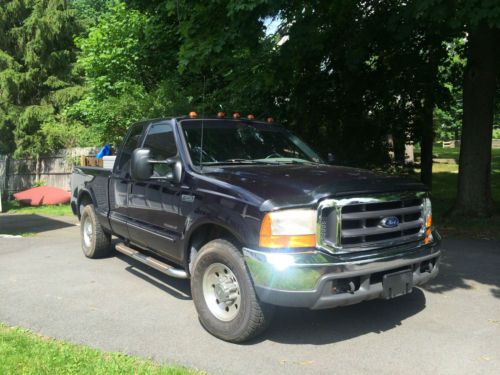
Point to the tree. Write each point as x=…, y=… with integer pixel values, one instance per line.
x=479, y=90
x=120, y=73
x=155, y=58
x=36, y=70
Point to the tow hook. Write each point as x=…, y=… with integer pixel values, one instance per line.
x=428, y=267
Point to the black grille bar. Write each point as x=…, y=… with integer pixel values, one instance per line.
x=380, y=230
x=380, y=214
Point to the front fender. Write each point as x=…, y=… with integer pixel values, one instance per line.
x=241, y=221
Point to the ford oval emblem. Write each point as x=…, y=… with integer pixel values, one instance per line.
x=389, y=222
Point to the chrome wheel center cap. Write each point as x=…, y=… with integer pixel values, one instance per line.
x=225, y=291
x=221, y=292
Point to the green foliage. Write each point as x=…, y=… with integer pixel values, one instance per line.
x=448, y=113
x=36, y=71
x=151, y=62
x=344, y=76
x=39, y=183
x=112, y=52
x=89, y=11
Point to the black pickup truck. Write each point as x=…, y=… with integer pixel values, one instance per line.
x=255, y=218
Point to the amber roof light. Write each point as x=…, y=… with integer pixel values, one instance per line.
x=251, y=117
x=221, y=114
x=193, y=114
x=236, y=115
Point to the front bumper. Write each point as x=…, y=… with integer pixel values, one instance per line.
x=317, y=280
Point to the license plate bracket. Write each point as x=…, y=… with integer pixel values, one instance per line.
x=397, y=284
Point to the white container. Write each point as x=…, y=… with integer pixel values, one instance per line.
x=108, y=161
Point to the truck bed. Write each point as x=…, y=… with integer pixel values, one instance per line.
x=94, y=180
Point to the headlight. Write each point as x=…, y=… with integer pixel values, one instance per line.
x=288, y=228
x=427, y=216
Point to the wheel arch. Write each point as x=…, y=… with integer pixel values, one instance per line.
x=205, y=232
x=84, y=197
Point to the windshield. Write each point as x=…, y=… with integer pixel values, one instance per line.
x=231, y=142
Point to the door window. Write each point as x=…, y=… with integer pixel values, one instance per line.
x=161, y=141
x=131, y=143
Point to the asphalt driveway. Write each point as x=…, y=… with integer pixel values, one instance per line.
x=450, y=327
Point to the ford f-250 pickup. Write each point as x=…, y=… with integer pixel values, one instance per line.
x=255, y=218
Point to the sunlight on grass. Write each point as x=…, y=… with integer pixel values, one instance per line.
x=444, y=191
x=14, y=207
x=23, y=352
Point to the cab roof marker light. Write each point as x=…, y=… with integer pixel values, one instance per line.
x=236, y=115
x=270, y=120
x=193, y=114
x=221, y=114
x=251, y=117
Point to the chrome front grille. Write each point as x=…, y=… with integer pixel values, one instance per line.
x=360, y=223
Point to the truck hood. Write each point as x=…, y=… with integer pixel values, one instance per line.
x=286, y=185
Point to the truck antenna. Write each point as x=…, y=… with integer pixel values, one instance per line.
x=202, y=125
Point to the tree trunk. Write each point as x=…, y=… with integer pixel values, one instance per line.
x=399, y=142
x=426, y=142
x=480, y=78
x=427, y=137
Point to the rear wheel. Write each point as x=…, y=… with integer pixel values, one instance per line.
x=96, y=243
x=224, y=295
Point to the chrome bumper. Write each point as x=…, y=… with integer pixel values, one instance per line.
x=307, y=278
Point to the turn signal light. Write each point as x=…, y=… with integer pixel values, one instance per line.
x=193, y=114
x=428, y=221
x=428, y=236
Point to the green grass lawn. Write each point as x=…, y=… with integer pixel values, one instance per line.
x=14, y=207
x=444, y=191
x=23, y=352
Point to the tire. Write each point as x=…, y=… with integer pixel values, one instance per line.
x=96, y=243
x=242, y=316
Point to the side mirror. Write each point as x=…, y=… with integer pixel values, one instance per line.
x=142, y=167
x=177, y=172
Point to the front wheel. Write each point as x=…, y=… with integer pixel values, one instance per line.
x=224, y=295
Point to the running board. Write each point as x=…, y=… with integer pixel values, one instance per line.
x=152, y=262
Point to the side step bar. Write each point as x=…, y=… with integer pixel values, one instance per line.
x=152, y=262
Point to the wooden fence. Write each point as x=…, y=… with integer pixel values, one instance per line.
x=495, y=143
x=52, y=170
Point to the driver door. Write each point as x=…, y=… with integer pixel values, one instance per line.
x=153, y=205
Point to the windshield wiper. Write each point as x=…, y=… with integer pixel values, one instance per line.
x=240, y=161
x=295, y=161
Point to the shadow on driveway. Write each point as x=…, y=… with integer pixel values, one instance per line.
x=468, y=260
x=463, y=261
x=177, y=288
x=303, y=326
x=24, y=224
